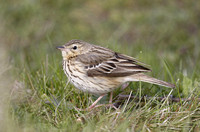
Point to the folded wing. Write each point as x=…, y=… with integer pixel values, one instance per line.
x=104, y=62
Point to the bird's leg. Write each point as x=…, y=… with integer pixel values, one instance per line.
x=95, y=102
x=111, y=96
x=95, y=106
x=124, y=85
x=107, y=105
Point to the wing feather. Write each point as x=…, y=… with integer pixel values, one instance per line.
x=110, y=64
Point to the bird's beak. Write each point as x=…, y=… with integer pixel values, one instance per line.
x=60, y=47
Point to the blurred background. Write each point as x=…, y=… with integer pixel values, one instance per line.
x=156, y=32
x=167, y=28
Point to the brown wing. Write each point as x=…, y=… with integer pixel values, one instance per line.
x=104, y=62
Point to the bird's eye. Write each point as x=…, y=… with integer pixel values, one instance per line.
x=75, y=47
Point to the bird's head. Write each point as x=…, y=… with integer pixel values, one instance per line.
x=74, y=48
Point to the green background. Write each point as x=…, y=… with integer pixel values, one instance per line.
x=163, y=34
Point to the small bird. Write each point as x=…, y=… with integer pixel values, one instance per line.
x=98, y=70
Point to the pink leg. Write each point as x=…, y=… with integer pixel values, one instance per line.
x=107, y=105
x=124, y=85
x=111, y=96
x=94, y=104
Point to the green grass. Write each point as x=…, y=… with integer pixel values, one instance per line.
x=163, y=34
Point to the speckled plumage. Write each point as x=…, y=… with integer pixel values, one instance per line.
x=99, y=70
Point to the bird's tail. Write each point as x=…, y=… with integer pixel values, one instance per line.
x=145, y=78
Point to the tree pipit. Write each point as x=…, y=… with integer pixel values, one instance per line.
x=98, y=70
